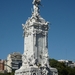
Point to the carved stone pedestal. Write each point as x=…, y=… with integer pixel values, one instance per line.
x=34, y=71
x=28, y=71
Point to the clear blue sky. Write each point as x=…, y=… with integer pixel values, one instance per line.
x=61, y=14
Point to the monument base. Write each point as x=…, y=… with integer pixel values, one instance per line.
x=34, y=70
x=28, y=71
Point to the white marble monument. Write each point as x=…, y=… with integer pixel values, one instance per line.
x=35, y=56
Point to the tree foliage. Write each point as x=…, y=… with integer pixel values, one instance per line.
x=12, y=73
x=61, y=67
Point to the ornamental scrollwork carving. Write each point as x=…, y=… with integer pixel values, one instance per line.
x=44, y=71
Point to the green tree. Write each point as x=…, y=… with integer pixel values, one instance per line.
x=61, y=67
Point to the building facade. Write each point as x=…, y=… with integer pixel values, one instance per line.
x=13, y=62
x=2, y=65
x=67, y=63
